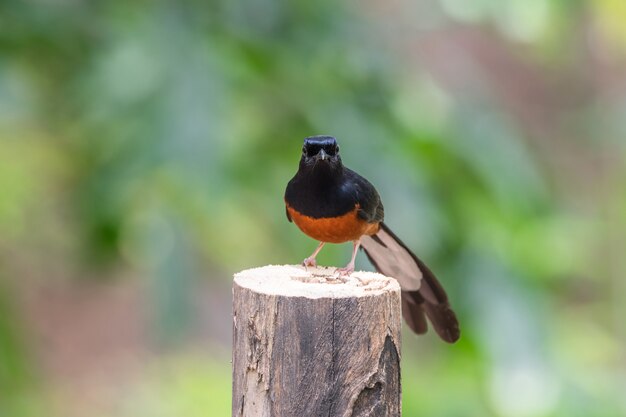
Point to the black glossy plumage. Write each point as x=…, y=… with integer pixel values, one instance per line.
x=328, y=189
x=324, y=188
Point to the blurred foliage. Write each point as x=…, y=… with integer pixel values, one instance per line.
x=154, y=139
x=16, y=379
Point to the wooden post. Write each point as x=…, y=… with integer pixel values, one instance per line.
x=307, y=342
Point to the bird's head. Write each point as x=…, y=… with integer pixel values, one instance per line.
x=320, y=153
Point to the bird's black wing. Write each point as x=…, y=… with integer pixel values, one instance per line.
x=370, y=206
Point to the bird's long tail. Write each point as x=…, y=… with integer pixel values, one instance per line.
x=422, y=295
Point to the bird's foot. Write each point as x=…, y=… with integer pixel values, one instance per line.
x=310, y=261
x=347, y=270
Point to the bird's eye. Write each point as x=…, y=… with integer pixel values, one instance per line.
x=304, y=150
x=330, y=150
x=336, y=149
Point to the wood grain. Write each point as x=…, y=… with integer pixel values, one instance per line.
x=306, y=343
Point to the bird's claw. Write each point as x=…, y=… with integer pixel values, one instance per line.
x=349, y=269
x=309, y=262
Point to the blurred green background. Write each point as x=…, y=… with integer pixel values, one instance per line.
x=144, y=151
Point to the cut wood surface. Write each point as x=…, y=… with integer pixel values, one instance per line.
x=307, y=342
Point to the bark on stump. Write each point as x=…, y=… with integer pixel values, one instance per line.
x=309, y=343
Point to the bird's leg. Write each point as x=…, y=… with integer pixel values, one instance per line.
x=310, y=261
x=348, y=269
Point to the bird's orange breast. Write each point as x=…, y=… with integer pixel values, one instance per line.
x=344, y=228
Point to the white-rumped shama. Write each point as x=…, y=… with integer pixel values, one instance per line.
x=333, y=204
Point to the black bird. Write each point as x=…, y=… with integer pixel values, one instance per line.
x=333, y=204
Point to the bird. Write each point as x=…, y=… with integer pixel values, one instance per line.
x=333, y=204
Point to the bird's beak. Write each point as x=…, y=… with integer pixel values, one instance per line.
x=322, y=154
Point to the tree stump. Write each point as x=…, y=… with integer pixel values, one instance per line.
x=307, y=342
